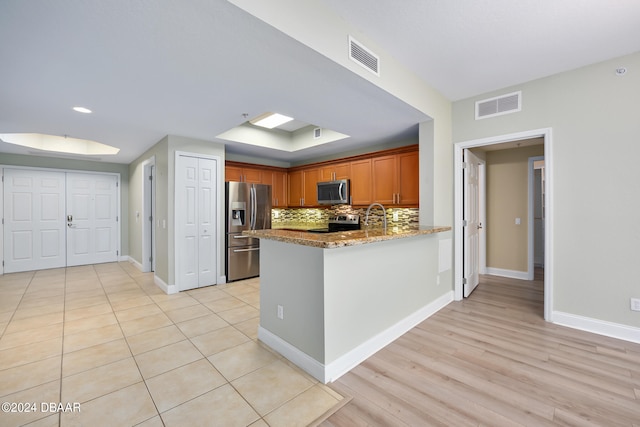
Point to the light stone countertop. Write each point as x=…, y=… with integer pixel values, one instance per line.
x=344, y=238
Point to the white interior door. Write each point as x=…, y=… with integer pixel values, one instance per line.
x=207, y=253
x=472, y=223
x=34, y=225
x=92, y=218
x=196, y=253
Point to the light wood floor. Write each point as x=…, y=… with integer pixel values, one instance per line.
x=492, y=360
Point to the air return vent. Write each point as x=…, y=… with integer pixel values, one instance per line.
x=503, y=104
x=363, y=56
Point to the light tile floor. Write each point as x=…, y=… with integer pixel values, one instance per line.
x=107, y=338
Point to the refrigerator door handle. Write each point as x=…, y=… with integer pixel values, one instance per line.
x=253, y=207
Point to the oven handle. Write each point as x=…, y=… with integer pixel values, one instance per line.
x=246, y=250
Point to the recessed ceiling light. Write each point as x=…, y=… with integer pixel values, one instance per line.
x=82, y=110
x=60, y=144
x=270, y=120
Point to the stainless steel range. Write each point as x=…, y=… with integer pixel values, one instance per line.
x=343, y=222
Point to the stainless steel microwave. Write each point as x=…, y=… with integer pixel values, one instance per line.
x=333, y=192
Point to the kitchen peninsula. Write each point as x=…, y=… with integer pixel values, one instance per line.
x=328, y=301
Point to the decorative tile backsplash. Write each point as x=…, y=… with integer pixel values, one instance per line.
x=317, y=218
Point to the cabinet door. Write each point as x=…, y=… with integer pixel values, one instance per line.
x=361, y=182
x=310, y=181
x=253, y=176
x=295, y=188
x=408, y=179
x=384, y=170
x=232, y=173
x=278, y=189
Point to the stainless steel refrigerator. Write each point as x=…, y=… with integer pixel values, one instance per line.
x=248, y=207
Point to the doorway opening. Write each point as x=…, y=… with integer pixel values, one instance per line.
x=459, y=213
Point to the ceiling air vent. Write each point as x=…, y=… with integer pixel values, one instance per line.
x=503, y=104
x=363, y=56
x=317, y=133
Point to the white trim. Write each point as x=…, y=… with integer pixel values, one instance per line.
x=531, y=214
x=168, y=289
x=132, y=260
x=512, y=274
x=546, y=133
x=600, y=327
x=342, y=365
x=291, y=353
x=147, y=228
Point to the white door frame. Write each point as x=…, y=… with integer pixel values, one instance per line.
x=545, y=133
x=531, y=222
x=148, y=210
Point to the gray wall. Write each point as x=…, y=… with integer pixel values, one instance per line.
x=83, y=165
x=595, y=125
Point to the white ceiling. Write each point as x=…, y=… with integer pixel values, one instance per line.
x=192, y=68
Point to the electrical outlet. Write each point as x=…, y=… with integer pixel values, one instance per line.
x=280, y=312
x=276, y=214
x=395, y=215
x=635, y=304
x=517, y=221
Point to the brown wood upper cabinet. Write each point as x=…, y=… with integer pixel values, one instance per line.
x=243, y=174
x=302, y=187
x=361, y=188
x=278, y=181
x=335, y=171
x=395, y=179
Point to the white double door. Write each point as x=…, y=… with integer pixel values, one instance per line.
x=196, y=221
x=55, y=219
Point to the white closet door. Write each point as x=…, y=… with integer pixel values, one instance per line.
x=207, y=253
x=92, y=222
x=34, y=229
x=195, y=222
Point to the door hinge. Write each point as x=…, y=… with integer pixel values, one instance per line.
x=117, y=218
x=117, y=184
x=150, y=177
x=465, y=223
x=464, y=281
x=464, y=165
x=150, y=259
x=150, y=219
x=117, y=253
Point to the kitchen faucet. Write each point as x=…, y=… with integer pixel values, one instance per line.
x=384, y=215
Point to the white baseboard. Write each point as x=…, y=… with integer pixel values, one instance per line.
x=134, y=262
x=291, y=353
x=342, y=365
x=512, y=274
x=600, y=327
x=168, y=289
